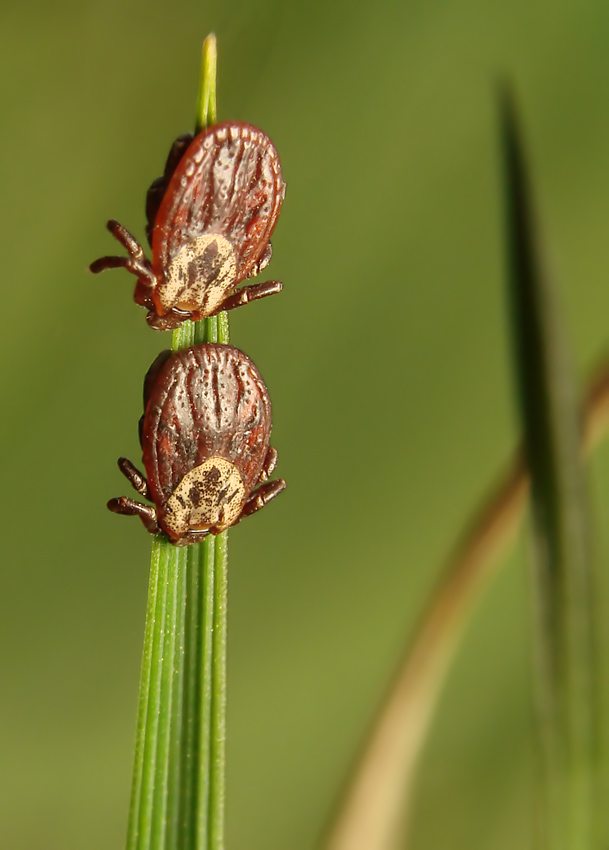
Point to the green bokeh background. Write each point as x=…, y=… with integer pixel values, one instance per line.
x=388, y=362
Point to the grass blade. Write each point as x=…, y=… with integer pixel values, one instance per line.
x=377, y=799
x=179, y=774
x=378, y=795
x=206, y=111
x=562, y=570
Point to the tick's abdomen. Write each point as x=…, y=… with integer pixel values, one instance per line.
x=208, y=402
x=228, y=184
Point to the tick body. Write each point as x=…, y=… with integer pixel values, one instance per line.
x=205, y=444
x=210, y=220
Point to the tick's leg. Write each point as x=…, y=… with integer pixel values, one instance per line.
x=270, y=462
x=249, y=293
x=262, y=496
x=129, y=242
x=154, y=197
x=263, y=262
x=124, y=505
x=192, y=537
x=138, y=481
x=157, y=190
x=171, y=320
x=176, y=152
x=136, y=262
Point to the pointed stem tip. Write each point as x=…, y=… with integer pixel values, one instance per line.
x=206, y=113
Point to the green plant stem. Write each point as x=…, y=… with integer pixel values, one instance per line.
x=206, y=112
x=178, y=788
x=378, y=797
x=218, y=696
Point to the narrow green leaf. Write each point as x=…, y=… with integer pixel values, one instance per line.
x=218, y=704
x=176, y=730
x=194, y=673
x=203, y=752
x=143, y=724
x=378, y=798
x=552, y=439
x=178, y=783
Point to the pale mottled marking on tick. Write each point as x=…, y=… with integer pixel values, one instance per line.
x=209, y=496
x=200, y=275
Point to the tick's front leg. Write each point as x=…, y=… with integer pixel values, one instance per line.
x=170, y=321
x=132, y=474
x=249, y=293
x=129, y=507
x=157, y=190
x=192, y=537
x=263, y=262
x=261, y=496
x=136, y=263
x=270, y=462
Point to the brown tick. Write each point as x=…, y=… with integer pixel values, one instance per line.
x=205, y=444
x=210, y=220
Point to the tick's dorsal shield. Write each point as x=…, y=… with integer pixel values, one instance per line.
x=223, y=199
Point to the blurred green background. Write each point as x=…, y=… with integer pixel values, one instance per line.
x=388, y=362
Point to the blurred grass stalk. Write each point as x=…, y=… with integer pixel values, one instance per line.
x=376, y=802
x=378, y=797
x=564, y=645
x=177, y=799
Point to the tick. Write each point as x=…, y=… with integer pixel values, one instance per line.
x=205, y=444
x=210, y=220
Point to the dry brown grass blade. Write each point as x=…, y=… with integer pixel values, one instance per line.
x=377, y=799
